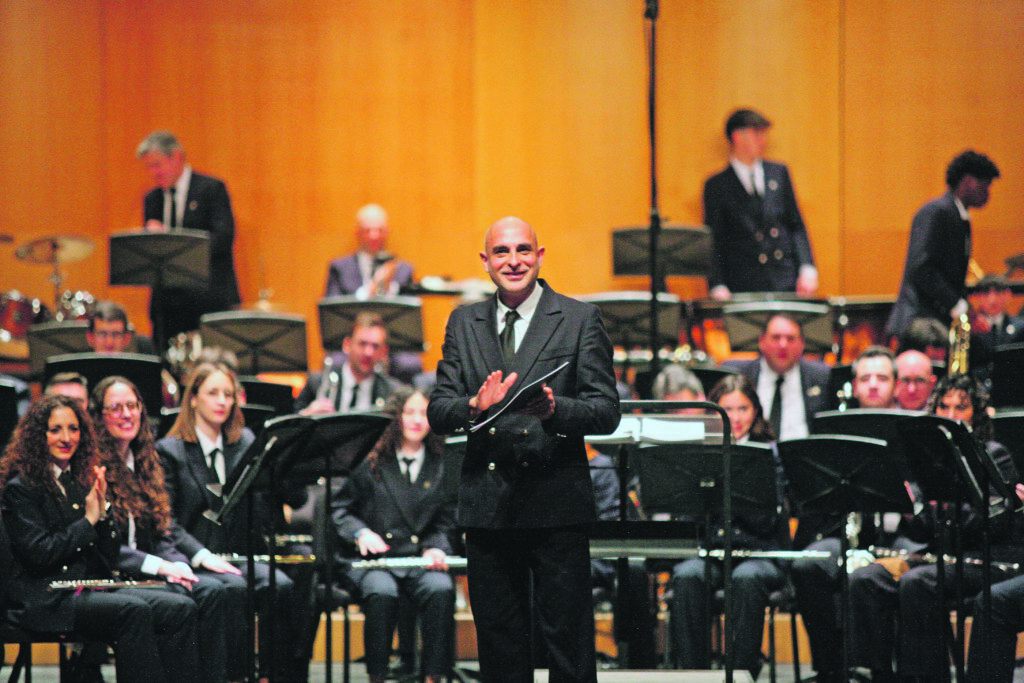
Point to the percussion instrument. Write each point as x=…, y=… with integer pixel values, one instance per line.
x=55, y=249
x=17, y=314
x=77, y=305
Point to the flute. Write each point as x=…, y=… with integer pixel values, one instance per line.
x=932, y=558
x=103, y=584
x=405, y=562
x=279, y=559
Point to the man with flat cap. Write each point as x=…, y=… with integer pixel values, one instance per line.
x=760, y=241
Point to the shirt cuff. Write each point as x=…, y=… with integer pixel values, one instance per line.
x=151, y=565
x=200, y=557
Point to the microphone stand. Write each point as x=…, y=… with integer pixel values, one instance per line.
x=657, y=281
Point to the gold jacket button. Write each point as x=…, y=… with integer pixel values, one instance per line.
x=74, y=505
x=490, y=466
x=491, y=431
x=762, y=259
x=387, y=535
x=774, y=232
x=778, y=254
x=526, y=464
x=414, y=539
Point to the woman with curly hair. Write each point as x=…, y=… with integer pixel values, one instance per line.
x=54, y=493
x=142, y=510
x=397, y=504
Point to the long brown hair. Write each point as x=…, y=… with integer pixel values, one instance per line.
x=140, y=493
x=185, y=426
x=388, y=443
x=760, y=428
x=28, y=455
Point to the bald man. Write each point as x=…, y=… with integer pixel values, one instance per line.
x=525, y=495
x=915, y=380
x=372, y=270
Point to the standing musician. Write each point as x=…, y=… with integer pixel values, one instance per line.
x=203, y=447
x=525, y=494
x=396, y=504
x=878, y=596
x=142, y=510
x=54, y=512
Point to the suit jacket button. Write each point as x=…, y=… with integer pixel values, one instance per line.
x=491, y=431
x=74, y=506
x=387, y=535
x=774, y=232
x=762, y=259
x=759, y=236
x=414, y=539
x=778, y=254
x=526, y=464
x=490, y=465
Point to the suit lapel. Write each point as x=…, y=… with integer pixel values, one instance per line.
x=402, y=495
x=198, y=469
x=546, y=320
x=486, y=332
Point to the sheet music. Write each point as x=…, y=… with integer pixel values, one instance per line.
x=656, y=430
x=522, y=397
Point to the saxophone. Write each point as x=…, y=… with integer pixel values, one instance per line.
x=959, y=345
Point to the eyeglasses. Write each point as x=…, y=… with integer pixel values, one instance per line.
x=116, y=408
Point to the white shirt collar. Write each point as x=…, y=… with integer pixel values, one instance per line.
x=208, y=444
x=416, y=465
x=964, y=213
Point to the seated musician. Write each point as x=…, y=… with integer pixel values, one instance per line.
x=203, y=447
x=878, y=595
x=142, y=510
x=992, y=326
x=110, y=332
x=396, y=504
x=54, y=512
x=915, y=379
x=874, y=378
x=753, y=579
x=70, y=384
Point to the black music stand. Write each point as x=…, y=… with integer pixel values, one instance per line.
x=143, y=371
x=274, y=394
x=54, y=339
x=1008, y=376
x=401, y=314
x=8, y=410
x=836, y=475
x=262, y=341
x=627, y=320
x=177, y=258
x=745, y=321
x=1009, y=430
x=871, y=423
x=682, y=250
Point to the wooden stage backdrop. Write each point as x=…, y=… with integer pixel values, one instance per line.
x=452, y=114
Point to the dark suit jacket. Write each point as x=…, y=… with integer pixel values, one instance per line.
x=207, y=208
x=984, y=344
x=186, y=475
x=51, y=540
x=521, y=472
x=813, y=379
x=936, y=265
x=382, y=388
x=148, y=541
x=759, y=244
x=410, y=519
x=344, y=276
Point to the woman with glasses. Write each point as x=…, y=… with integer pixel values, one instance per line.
x=142, y=510
x=54, y=501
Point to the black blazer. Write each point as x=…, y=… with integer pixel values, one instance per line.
x=186, y=475
x=51, y=540
x=410, y=518
x=759, y=244
x=936, y=265
x=521, y=472
x=207, y=208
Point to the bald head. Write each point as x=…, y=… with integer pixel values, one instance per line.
x=372, y=228
x=508, y=222
x=915, y=380
x=512, y=258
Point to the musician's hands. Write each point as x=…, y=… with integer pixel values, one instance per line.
x=96, y=499
x=381, y=280
x=221, y=566
x=437, y=559
x=492, y=391
x=153, y=225
x=177, y=572
x=370, y=543
x=543, y=406
x=321, y=406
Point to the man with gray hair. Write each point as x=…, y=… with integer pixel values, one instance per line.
x=183, y=198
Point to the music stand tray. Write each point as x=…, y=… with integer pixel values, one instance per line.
x=176, y=258
x=263, y=342
x=683, y=250
x=744, y=322
x=627, y=317
x=401, y=314
x=870, y=423
x=343, y=439
x=54, y=339
x=143, y=371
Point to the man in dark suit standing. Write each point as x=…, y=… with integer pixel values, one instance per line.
x=525, y=494
x=940, y=246
x=372, y=270
x=183, y=198
x=790, y=388
x=760, y=241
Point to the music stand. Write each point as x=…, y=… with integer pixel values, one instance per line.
x=1009, y=431
x=274, y=394
x=177, y=258
x=1008, y=376
x=872, y=423
x=840, y=474
x=54, y=339
x=627, y=317
x=8, y=410
x=401, y=314
x=745, y=321
x=262, y=341
x=682, y=249
x=143, y=371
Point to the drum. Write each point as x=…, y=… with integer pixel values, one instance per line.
x=18, y=313
x=77, y=305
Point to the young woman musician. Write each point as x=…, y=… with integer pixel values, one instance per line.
x=205, y=444
x=142, y=511
x=54, y=496
x=396, y=504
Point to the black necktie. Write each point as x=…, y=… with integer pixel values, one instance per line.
x=355, y=397
x=408, y=468
x=775, y=417
x=65, y=480
x=508, y=338
x=214, y=454
x=174, y=209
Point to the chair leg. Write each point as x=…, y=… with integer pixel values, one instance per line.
x=347, y=648
x=22, y=661
x=771, y=645
x=796, y=645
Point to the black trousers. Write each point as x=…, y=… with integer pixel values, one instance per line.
x=994, y=640
x=819, y=600
x=504, y=565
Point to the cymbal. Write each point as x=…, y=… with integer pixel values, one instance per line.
x=56, y=249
